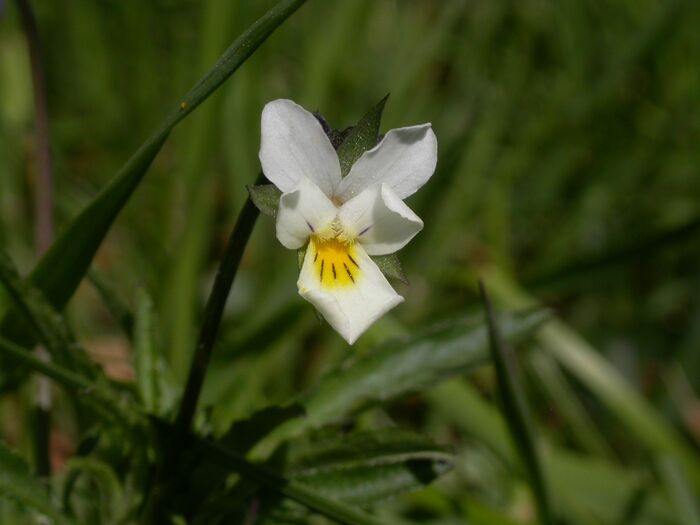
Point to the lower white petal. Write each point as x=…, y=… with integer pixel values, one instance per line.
x=380, y=220
x=345, y=285
x=301, y=212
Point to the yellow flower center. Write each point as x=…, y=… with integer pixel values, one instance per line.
x=335, y=261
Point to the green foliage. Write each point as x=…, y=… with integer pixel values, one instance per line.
x=516, y=412
x=567, y=176
x=47, y=324
x=361, y=137
x=266, y=198
x=62, y=268
x=18, y=483
x=367, y=467
x=399, y=367
x=390, y=265
x=153, y=378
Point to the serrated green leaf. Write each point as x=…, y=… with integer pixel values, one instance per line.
x=361, y=137
x=67, y=261
x=367, y=467
x=266, y=198
x=18, y=484
x=449, y=348
x=372, y=447
x=390, y=266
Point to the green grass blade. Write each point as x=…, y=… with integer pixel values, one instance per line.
x=583, y=485
x=682, y=496
x=516, y=412
x=583, y=428
x=591, y=369
x=63, y=267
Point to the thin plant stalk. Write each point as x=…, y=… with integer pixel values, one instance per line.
x=226, y=273
x=44, y=220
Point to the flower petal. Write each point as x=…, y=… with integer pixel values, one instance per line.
x=404, y=160
x=379, y=220
x=301, y=212
x=293, y=145
x=343, y=283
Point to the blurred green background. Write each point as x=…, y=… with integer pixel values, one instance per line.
x=568, y=137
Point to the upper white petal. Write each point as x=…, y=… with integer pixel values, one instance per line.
x=352, y=308
x=293, y=145
x=302, y=211
x=380, y=220
x=404, y=160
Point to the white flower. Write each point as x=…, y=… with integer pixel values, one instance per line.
x=344, y=220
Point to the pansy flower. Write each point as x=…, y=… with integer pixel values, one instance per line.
x=344, y=220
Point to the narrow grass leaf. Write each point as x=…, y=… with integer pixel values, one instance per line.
x=682, y=496
x=582, y=427
x=65, y=264
x=584, y=363
x=516, y=412
x=585, y=485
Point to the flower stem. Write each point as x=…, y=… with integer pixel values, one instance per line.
x=228, y=267
x=225, y=275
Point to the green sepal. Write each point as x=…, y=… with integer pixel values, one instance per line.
x=266, y=198
x=391, y=267
x=361, y=137
x=301, y=253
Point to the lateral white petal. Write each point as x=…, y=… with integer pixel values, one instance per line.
x=302, y=211
x=349, y=305
x=293, y=144
x=404, y=160
x=380, y=220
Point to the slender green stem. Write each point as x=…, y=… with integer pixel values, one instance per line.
x=516, y=412
x=289, y=488
x=62, y=375
x=228, y=267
